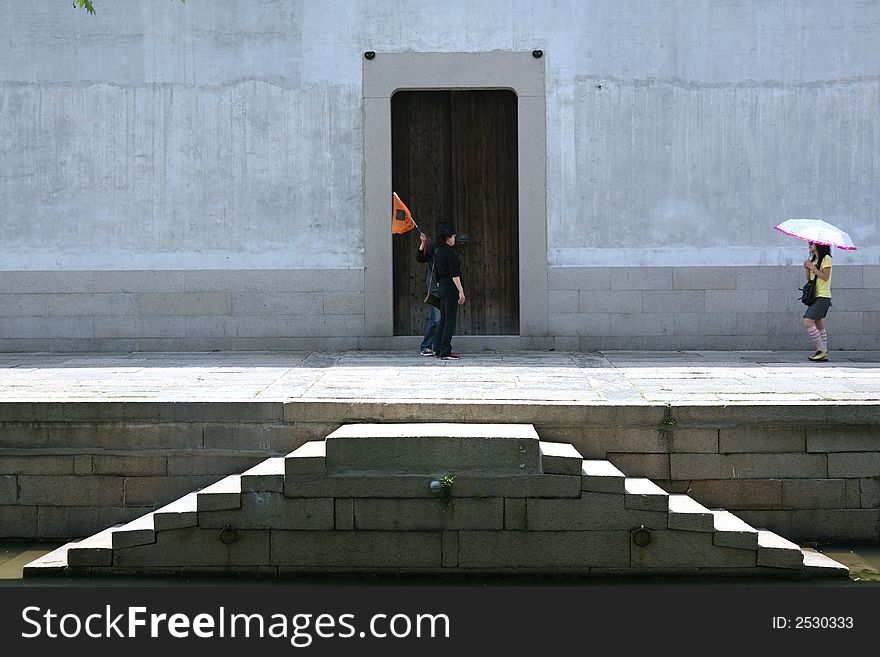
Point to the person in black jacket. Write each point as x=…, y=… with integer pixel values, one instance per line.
x=447, y=269
x=425, y=254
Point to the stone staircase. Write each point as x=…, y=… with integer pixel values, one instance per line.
x=435, y=498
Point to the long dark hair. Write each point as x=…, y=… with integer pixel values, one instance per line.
x=822, y=250
x=444, y=232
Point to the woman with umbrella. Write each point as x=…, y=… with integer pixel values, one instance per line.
x=818, y=268
x=821, y=236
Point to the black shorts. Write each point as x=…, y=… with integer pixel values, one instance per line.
x=818, y=309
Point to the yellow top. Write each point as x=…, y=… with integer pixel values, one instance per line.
x=823, y=288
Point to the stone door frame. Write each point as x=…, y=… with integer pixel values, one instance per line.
x=520, y=72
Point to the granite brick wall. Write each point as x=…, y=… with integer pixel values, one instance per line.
x=790, y=469
x=723, y=308
x=296, y=309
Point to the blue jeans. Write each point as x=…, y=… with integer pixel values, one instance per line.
x=430, y=341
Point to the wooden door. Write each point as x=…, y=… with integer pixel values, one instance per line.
x=454, y=158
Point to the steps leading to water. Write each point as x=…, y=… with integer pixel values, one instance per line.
x=435, y=498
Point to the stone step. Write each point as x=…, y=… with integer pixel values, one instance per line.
x=383, y=485
x=731, y=531
x=51, y=563
x=265, y=477
x=442, y=448
x=95, y=550
x=225, y=494
x=602, y=477
x=308, y=459
x=560, y=458
x=686, y=514
x=179, y=514
x=817, y=564
x=139, y=531
x=305, y=511
x=645, y=495
x=273, y=511
x=777, y=552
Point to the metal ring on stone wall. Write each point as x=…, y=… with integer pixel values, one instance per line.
x=641, y=536
x=228, y=535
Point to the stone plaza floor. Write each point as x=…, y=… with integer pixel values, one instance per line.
x=615, y=377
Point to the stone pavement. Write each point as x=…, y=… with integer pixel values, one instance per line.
x=617, y=377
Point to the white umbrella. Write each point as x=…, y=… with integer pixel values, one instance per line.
x=817, y=231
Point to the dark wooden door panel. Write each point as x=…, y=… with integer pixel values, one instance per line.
x=421, y=176
x=454, y=158
x=484, y=159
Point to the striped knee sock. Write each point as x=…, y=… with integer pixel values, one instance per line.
x=816, y=337
x=823, y=335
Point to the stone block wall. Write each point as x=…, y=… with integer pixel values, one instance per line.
x=442, y=497
x=724, y=308
x=810, y=473
x=71, y=469
x=200, y=310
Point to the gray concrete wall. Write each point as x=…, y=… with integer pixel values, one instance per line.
x=229, y=136
x=681, y=132
x=162, y=136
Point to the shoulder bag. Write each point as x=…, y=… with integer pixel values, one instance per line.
x=432, y=299
x=808, y=292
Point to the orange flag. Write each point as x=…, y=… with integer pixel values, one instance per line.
x=401, y=219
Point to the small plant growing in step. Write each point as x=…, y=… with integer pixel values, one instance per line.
x=446, y=482
x=666, y=424
x=668, y=420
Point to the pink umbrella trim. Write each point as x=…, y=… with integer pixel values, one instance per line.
x=809, y=239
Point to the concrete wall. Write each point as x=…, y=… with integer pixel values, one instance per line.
x=806, y=472
x=224, y=136
x=163, y=136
